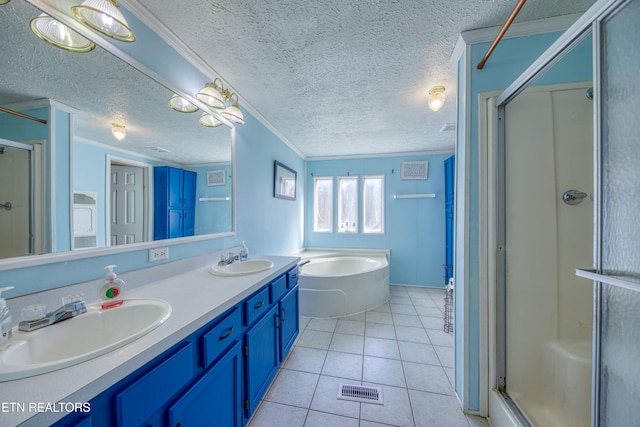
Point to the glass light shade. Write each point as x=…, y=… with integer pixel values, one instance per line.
x=234, y=114
x=178, y=103
x=59, y=35
x=436, y=98
x=118, y=131
x=211, y=96
x=104, y=17
x=4, y=2
x=209, y=121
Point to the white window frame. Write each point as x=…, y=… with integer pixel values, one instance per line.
x=355, y=228
x=364, y=204
x=316, y=228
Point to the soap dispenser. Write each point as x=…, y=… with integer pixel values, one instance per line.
x=111, y=292
x=244, y=252
x=5, y=321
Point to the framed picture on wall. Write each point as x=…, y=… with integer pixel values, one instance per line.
x=284, y=181
x=217, y=177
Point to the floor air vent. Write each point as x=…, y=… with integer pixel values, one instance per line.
x=360, y=393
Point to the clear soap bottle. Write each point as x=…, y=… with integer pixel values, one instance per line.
x=111, y=292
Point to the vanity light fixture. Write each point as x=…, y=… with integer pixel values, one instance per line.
x=209, y=121
x=233, y=112
x=178, y=103
x=216, y=95
x=211, y=95
x=436, y=97
x=59, y=35
x=118, y=131
x=104, y=17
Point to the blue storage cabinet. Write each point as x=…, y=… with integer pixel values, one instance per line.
x=449, y=192
x=215, y=376
x=173, y=202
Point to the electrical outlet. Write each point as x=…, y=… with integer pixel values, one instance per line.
x=158, y=254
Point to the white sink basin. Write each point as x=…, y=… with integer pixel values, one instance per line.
x=81, y=338
x=250, y=266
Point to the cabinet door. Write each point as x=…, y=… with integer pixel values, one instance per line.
x=189, y=189
x=175, y=188
x=175, y=223
x=289, y=321
x=216, y=399
x=262, y=357
x=188, y=222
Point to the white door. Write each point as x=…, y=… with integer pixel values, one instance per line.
x=127, y=205
x=15, y=202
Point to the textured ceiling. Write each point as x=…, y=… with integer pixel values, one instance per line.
x=334, y=77
x=343, y=77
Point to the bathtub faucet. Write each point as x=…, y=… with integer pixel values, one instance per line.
x=301, y=263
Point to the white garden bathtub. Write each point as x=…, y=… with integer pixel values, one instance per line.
x=337, y=283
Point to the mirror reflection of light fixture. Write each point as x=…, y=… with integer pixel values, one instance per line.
x=104, y=17
x=59, y=35
x=178, y=103
x=436, y=97
x=209, y=121
x=118, y=131
x=211, y=96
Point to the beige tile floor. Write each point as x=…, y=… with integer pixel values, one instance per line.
x=399, y=347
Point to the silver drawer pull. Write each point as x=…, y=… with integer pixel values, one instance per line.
x=258, y=305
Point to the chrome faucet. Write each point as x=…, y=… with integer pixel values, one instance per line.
x=67, y=311
x=231, y=257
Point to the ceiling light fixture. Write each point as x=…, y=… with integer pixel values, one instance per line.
x=178, y=103
x=436, y=97
x=118, y=131
x=104, y=17
x=59, y=35
x=209, y=121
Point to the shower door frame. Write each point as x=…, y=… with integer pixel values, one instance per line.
x=589, y=23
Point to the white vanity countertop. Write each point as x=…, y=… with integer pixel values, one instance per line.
x=196, y=298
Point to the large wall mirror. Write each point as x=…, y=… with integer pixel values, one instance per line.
x=64, y=180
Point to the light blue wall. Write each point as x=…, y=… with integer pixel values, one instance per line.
x=220, y=210
x=414, y=228
x=508, y=61
x=268, y=224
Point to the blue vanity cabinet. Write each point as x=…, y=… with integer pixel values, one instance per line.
x=289, y=322
x=216, y=398
x=269, y=340
x=174, y=202
x=215, y=376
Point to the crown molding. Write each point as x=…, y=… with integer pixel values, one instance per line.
x=518, y=29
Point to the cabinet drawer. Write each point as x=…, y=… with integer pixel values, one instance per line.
x=257, y=305
x=221, y=336
x=141, y=399
x=292, y=278
x=278, y=288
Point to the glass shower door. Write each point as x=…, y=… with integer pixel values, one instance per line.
x=617, y=348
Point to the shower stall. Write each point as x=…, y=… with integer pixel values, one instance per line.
x=549, y=233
